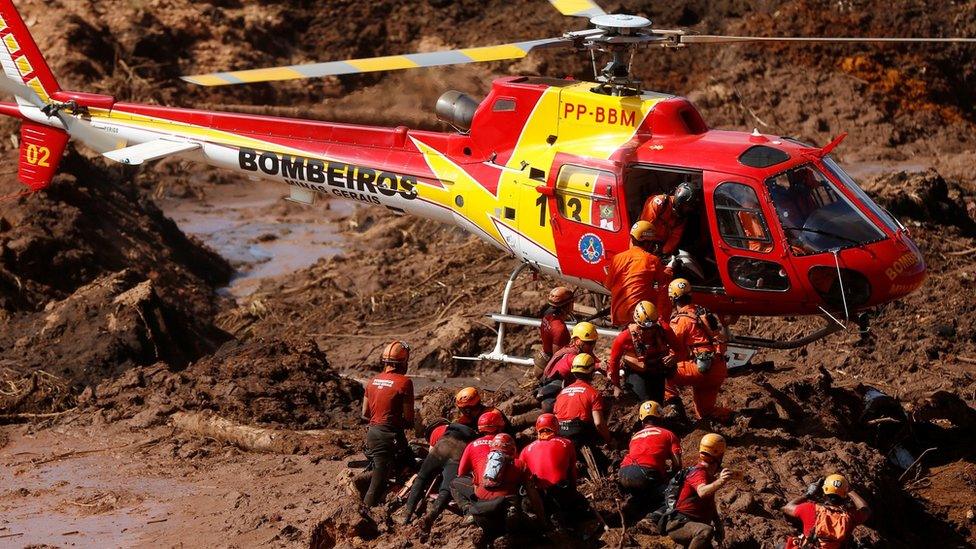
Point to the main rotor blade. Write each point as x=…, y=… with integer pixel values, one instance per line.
x=501, y=52
x=578, y=8
x=720, y=39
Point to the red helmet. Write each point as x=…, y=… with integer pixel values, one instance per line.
x=491, y=422
x=504, y=443
x=546, y=426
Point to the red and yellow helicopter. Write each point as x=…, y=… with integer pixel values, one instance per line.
x=551, y=171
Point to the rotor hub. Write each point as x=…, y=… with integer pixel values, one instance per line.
x=620, y=23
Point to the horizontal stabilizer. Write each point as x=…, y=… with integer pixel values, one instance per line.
x=152, y=150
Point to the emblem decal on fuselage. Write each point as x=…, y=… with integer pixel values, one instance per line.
x=591, y=248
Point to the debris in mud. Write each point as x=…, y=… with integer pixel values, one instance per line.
x=31, y=393
x=348, y=522
x=926, y=197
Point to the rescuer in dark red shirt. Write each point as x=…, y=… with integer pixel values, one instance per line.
x=389, y=408
x=553, y=331
x=551, y=462
x=697, y=522
x=582, y=412
x=654, y=454
x=642, y=355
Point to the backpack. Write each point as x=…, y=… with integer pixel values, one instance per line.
x=831, y=529
x=495, y=467
x=672, y=492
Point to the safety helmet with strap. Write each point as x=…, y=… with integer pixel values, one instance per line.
x=649, y=409
x=679, y=287
x=684, y=198
x=583, y=363
x=504, y=443
x=585, y=331
x=645, y=314
x=467, y=397
x=560, y=296
x=836, y=485
x=546, y=426
x=712, y=445
x=491, y=422
x=396, y=355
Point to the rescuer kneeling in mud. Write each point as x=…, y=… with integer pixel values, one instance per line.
x=700, y=351
x=389, y=408
x=551, y=462
x=642, y=355
x=490, y=496
x=654, y=454
x=830, y=524
x=638, y=275
x=581, y=412
x=553, y=331
x=695, y=522
x=668, y=215
x=557, y=372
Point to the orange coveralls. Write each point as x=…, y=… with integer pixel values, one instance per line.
x=659, y=213
x=692, y=338
x=634, y=276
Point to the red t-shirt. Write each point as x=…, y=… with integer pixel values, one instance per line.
x=551, y=461
x=553, y=333
x=389, y=400
x=474, y=457
x=561, y=363
x=513, y=477
x=657, y=343
x=578, y=401
x=807, y=513
x=690, y=503
x=653, y=447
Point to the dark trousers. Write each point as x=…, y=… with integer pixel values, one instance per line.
x=496, y=516
x=442, y=460
x=645, y=487
x=646, y=386
x=564, y=505
x=384, y=444
x=584, y=435
x=547, y=393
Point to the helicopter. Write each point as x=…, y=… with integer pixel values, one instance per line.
x=551, y=171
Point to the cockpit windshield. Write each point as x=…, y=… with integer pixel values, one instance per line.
x=815, y=216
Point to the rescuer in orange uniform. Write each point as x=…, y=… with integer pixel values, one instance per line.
x=669, y=214
x=638, y=275
x=389, y=408
x=553, y=331
x=557, y=372
x=830, y=524
x=700, y=350
x=642, y=354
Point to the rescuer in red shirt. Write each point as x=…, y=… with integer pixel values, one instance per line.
x=827, y=525
x=551, y=462
x=669, y=215
x=470, y=409
x=700, y=351
x=388, y=407
x=696, y=522
x=581, y=411
x=642, y=355
x=583, y=340
x=553, y=331
x=654, y=454
x=638, y=275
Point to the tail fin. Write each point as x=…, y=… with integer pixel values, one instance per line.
x=20, y=57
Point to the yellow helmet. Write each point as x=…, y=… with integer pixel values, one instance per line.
x=585, y=331
x=712, y=445
x=649, y=409
x=643, y=231
x=679, y=287
x=583, y=363
x=836, y=485
x=645, y=314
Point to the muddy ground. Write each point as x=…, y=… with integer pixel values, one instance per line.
x=113, y=320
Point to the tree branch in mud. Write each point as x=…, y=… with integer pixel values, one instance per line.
x=258, y=439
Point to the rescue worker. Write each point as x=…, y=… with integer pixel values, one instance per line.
x=696, y=523
x=642, y=354
x=583, y=340
x=443, y=459
x=490, y=495
x=668, y=215
x=388, y=406
x=638, y=275
x=581, y=412
x=700, y=352
x=553, y=331
x=827, y=525
x=654, y=454
x=551, y=463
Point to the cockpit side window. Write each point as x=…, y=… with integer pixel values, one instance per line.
x=815, y=216
x=740, y=218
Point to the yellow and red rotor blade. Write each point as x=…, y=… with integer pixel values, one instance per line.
x=515, y=50
x=578, y=8
x=722, y=39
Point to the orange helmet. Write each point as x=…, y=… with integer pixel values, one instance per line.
x=712, y=445
x=396, y=353
x=643, y=231
x=546, y=426
x=491, y=422
x=561, y=296
x=504, y=443
x=467, y=397
x=836, y=485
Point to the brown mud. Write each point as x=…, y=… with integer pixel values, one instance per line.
x=112, y=318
